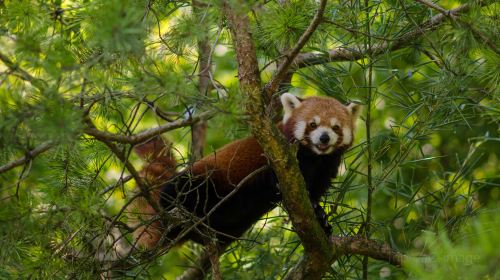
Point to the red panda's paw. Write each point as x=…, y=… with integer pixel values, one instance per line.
x=148, y=236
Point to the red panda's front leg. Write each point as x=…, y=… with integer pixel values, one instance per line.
x=322, y=218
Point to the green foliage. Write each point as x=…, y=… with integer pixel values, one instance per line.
x=41, y=220
x=129, y=66
x=115, y=26
x=473, y=255
x=280, y=26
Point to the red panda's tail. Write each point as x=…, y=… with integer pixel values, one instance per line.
x=160, y=161
x=159, y=165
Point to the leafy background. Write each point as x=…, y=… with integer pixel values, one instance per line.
x=434, y=123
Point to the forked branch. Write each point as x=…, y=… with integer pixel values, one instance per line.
x=282, y=159
x=351, y=53
x=29, y=156
x=147, y=134
x=282, y=70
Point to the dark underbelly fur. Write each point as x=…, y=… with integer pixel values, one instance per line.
x=257, y=196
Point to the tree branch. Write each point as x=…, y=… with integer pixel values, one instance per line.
x=197, y=272
x=145, y=192
x=282, y=70
x=29, y=156
x=352, y=245
x=356, y=245
x=22, y=73
x=279, y=153
x=435, y=7
x=121, y=181
x=353, y=53
x=477, y=33
x=147, y=134
x=199, y=129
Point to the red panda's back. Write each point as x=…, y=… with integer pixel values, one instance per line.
x=231, y=163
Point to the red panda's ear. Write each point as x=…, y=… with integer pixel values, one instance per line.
x=290, y=102
x=355, y=110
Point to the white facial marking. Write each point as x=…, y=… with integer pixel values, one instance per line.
x=300, y=130
x=334, y=121
x=318, y=151
x=316, y=119
x=322, y=152
x=315, y=136
x=347, y=136
x=354, y=109
x=290, y=102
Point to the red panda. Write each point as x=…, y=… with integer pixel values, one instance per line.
x=322, y=126
x=160, y=166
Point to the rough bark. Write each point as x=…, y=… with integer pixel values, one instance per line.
x=351, y=245
x=281, y=157
x=357, y=245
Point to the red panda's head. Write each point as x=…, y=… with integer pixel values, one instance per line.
x=321, y=124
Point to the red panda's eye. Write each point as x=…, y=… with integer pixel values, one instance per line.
x=313, y=125
x=335, y=127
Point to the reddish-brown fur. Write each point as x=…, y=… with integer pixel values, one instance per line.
x=211, y=178
x=233, y=162
x=228, y=166
x=160, y=165
x=321, y=107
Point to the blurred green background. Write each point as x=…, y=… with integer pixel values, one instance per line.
x=434, y=123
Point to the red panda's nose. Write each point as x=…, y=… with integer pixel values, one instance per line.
x=324, y=138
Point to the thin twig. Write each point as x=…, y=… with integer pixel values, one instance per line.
x=224, y=199
x=292, y=54
x=351, y=53
x=38, y=83
x=121, y=181
x=357, y=31
x=436, y=7
x=131, y=169
x=477, y=34
x=29, y=156
x=147, y=134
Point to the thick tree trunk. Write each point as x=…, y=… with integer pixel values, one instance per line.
x=281, y=155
